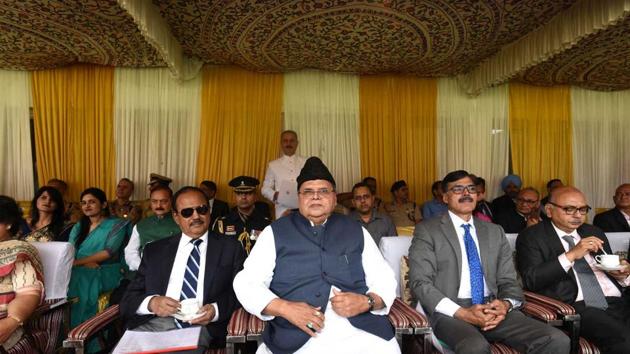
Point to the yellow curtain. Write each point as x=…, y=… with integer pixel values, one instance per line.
x=241, y=122
x=398, y=132
x=540, y=134
x=73, y=114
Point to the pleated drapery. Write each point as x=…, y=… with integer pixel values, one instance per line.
x=398, y=132
x=241, y=122
x=73, y=114
x=540, y=134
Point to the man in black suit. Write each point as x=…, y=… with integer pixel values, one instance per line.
x=525, y=214
x=195, y=264
x=218, y=207
x=556, y=259
x=511, y=185
x=616, y=219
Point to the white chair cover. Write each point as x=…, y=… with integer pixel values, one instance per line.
x=393, y=248
x=57, y=258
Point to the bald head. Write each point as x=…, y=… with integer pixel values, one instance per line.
x=567, y=208
x=622, y=197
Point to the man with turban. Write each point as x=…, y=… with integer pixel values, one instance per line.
x=511, y=185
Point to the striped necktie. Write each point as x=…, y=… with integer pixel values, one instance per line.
x=474, y=265
x=191, y=275
x=591, y=290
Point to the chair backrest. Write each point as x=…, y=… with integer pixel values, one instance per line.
x=618, y=241
x=57, y=258
x=512, y=240
x=393, y=248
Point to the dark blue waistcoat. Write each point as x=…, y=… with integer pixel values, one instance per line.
x=308, y=262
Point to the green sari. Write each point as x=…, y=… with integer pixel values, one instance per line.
x=87, y=283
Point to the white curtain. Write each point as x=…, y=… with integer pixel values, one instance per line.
x=323, y=108
x=16, y=159
x=473, y=133
x=601, y=144
x=156, y=125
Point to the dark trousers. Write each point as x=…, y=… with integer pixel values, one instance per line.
x=609, y=329
x=517, y=330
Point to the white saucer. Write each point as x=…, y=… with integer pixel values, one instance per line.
x=186, y=318
x=608, y=269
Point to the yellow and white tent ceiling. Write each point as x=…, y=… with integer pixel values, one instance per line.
x=483, y=42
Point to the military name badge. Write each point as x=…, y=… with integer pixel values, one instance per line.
x=230, y=230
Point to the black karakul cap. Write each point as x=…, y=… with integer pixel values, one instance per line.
x=244, y=184
x=314, y=169
x=397, y=185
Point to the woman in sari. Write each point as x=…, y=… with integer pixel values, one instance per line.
x=47, y=218
x=21, y=274
x=98, y=240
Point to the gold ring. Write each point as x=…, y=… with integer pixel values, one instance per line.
x=590, y=242
x=317, y=313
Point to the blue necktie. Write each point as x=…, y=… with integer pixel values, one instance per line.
x=474, y=265
x=189, y=286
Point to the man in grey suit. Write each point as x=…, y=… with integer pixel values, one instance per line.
x=462, y=273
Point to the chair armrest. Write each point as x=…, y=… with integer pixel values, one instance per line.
x=417, y=320
x=557, y=306
x=255, y=328
x=398, y=319
x=237, y=327
x=537, y=311
x=78, y=335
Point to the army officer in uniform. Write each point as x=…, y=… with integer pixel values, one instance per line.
x=245, y=221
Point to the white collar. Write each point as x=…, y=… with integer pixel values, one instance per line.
x=457, y=221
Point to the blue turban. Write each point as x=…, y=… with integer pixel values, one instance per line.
x=514, y=179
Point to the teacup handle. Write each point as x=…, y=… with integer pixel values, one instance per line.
x=598, y=258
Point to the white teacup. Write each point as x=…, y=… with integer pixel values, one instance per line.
x=189, y=307
x=608, y=260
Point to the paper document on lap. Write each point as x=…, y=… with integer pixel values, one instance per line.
x=157, y=342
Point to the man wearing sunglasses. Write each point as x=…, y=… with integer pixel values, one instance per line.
x=318, y=278
x=194, y=264
x=556, y=258
x=462, y=273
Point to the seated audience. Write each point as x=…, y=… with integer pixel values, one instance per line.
x=525, y=214
x=72, y=211
x=318, y=278
x=402, y=211
x=122, y=207
x=482, y=210
x=194, y=264
x=551, y=185
x=436, y=206
x=47, y=218
x=376, y=223
x=155, y=180
x=156, y=227
x=245, y=221
x=218, y=207
x=461, y=271
x=616, y=219
x=556, y=258
x=21, y=278
x=378, y=202
x=97, y=240
x=511, y=185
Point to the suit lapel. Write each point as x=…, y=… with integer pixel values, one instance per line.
x=451, y=236
x=484, y=245
x=166, y=266
x=621, y=220
x=213, y=255
x=553, y=240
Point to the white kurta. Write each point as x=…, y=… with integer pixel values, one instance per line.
x=338, y=335
x=281, y=177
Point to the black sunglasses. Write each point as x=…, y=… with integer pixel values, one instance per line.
x=188, y=212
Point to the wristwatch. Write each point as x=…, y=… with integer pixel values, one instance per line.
x=510, y=306
x=371, y=302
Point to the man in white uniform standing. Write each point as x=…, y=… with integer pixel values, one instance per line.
x=319, y=279
x=280, y=186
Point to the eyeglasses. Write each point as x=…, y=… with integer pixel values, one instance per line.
x=311, y=193
x=527, y=201
x=188, y=212
x=472, y=189
x=622, y=194
x=571, y=210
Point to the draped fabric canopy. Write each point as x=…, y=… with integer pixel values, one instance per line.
x=323, y=108
x=73, y=114
x=16, y=159
x=156, y=127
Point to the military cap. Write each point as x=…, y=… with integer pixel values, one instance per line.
x=159, y=179
x=244, y=184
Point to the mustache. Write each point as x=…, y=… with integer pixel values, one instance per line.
x=465, y=199
x=196, y=222
x=160, y=209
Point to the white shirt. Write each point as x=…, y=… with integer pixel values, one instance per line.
x=338, y=335
x=282, y=174
x=176, y=279
x=447, y=306
x=608, y=287
x=132, y=251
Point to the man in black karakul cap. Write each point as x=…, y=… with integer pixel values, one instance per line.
x=318, y=278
